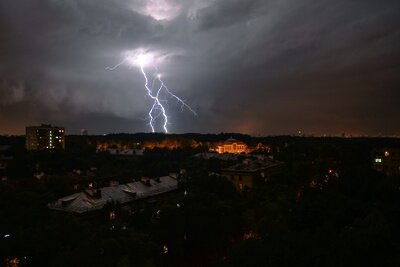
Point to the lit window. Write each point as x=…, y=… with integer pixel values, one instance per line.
x=165, y=249
x=378, y=160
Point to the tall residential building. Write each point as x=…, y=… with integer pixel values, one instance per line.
x=45, y=137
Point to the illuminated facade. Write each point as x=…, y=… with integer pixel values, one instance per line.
x=45, y=137
x=232, y=146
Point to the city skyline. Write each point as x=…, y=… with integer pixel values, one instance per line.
x=254, y=67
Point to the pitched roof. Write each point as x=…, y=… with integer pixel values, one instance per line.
x=252, y=166
x=86, y=201
x=232, y=140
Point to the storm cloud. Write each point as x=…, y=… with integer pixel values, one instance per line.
x=258, y=67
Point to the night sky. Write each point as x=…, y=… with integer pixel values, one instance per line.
x=251, y=66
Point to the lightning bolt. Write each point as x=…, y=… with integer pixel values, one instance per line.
x=156, y=103
x=158, y=108
x=183, y=104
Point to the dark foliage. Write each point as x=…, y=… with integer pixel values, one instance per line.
x=326, y=207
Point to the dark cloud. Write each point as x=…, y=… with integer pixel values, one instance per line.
x=261, y=67
x=227, y=13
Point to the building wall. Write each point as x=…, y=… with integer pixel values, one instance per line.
x=240, y=180
x=387, y=161
x=249, y=178
x=232, y=148
x=45, y=137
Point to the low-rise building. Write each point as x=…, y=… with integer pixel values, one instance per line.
x=94, y=199
x=244, y=174
x=387, y=160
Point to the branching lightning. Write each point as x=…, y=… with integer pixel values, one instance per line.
x=158, y=108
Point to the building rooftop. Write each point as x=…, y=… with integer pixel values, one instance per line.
x=213, y=155
x=95, y=199
x=123, y=152
x=4, y=148
x=253, y=165
x=45, y=126
x=232, y=140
